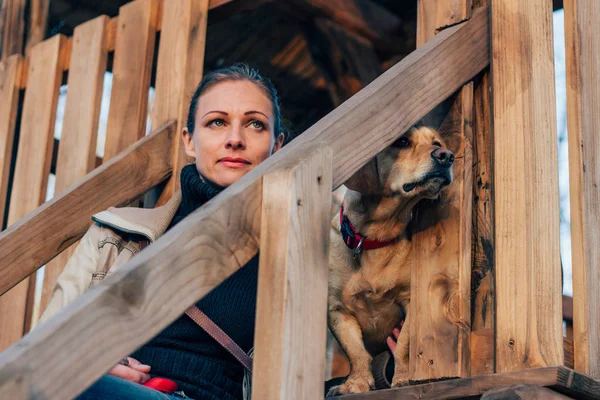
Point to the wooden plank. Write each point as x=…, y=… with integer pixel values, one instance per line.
x=347, y=128
x=38, y=19
x=482, y=352
x=31, y=178
x=568, y=351
x=17, y=386
x=582, y=38
x=77, y=155
x=435, y=15
x=567, y=306
x=179, y=71
x=291, y=319
x=441, y=266
x=529, y=392
x=440, y=328
x=560, y=379
x=10, y=73
x=134, y=49
x=59, y=223
x=155, y=287
x=526, y=209
x=12, y=27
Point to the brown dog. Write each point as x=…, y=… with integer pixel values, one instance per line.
x=369, y=263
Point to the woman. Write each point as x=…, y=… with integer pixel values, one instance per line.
x=233, y=125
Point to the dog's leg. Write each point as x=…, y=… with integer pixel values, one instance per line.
x=401, y=354
x=348, y=333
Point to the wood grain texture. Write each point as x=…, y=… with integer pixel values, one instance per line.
x=10, y=73
x=441, y=270
x=482, y=352
x=77, y=152
x=38, y=19
x=582, y=38
x=31, y=178
x=12, y=27
x=291, y=319
x=156, y=286
x=560, y=379
x=435, y=15
x=526, y=209
x=483, y=210
x=134, y=49
x=179, y=71
x=441, y=262
x=529, y=392
x=17, y=386
x=62, y=221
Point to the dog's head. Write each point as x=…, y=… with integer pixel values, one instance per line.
x=417, y=164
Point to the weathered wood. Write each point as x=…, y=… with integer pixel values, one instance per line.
x=10, y=73
x=17, y=386
x=526, y=210
x=568, y=351
x=157, y=285
x=529, y=392
x=482, y=352
x=38, y=19
x=179, y=71
x=12, y=27
x=31, y=178
x=134, y=49
x=77, y=155
x=59, y=223
x=435, y=15
x=291, y=319
x=441, y=263
x=582, y=38
x=560, y=379
x=441, y=270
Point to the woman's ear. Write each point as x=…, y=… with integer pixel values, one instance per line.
x=278, y=142
x=188, y=142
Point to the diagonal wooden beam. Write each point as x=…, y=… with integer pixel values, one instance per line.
x=156, y=286
x=51, y=228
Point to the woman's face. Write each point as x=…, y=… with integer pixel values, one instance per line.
x=233, y=132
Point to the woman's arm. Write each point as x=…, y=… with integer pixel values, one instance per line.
x=77, y=274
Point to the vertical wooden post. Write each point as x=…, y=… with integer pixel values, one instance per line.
x=291, y=320
x=440, y=313
x=526, y=257
x=10, y=76
x=12, y=27
x=134, y=51
x=582, y=37
x=38, y=20
x=29, y=189
x=77, y=155
x=179, y=71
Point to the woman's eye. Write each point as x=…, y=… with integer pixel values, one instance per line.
x=217, y=122
x=438, y=144
x=257, y=125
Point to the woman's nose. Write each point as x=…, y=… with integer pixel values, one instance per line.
x=235, y=139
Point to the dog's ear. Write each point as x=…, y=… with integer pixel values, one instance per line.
x=366, y=179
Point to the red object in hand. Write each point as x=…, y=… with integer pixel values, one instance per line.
x=162, y=385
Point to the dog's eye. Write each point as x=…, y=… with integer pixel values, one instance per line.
x=438, y=144
x=401, y=143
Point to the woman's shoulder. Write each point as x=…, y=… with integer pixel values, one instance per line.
x=148, y=222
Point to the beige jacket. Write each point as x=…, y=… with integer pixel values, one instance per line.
x=113, y=240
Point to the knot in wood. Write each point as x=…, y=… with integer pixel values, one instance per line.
x=438, y=240
x=511, y=343
x=430, y=363
x=299, y=202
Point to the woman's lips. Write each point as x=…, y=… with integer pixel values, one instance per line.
x=234, y=162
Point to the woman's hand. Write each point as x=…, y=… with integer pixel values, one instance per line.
x=134, y=371
x=391, y=340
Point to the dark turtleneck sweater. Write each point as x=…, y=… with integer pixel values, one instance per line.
x=183, y=352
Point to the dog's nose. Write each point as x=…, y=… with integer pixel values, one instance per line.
x=443, y=157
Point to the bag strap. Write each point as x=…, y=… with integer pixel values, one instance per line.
x=214, y=331
x=220, y=336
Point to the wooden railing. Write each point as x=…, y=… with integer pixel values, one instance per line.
x=289, y=194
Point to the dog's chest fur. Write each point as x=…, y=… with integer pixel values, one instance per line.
x=375, y=288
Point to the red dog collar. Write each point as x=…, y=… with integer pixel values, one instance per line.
x=354, y=240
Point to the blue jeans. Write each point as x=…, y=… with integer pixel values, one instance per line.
x=114, y=388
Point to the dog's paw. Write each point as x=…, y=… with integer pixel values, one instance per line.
x=353, y=385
